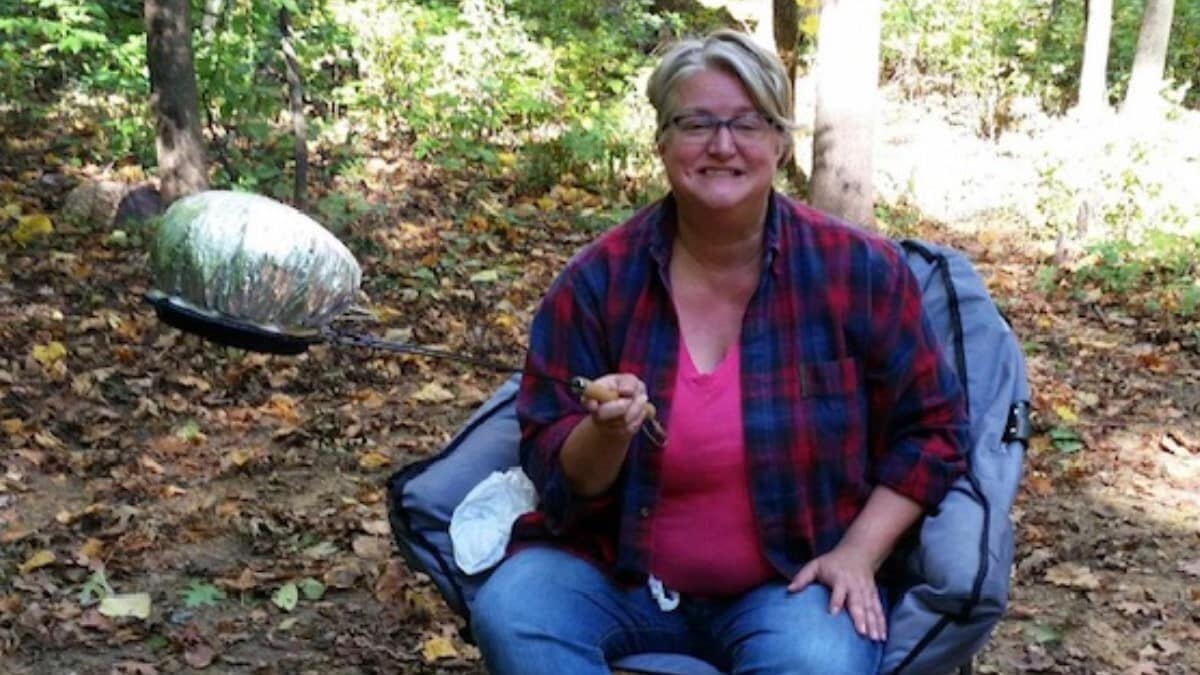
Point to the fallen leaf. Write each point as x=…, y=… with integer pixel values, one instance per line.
x=342, y=576
x=324, y=549
x=438, y=647
x=31, y=227
x=1073, y=575
x=50, y=353
x=90, y=551
x=378, y=527
x=38, y=560
x=1169, y=647
x=133, y=668
x=286, y=597
x=373, y=461
x=372, y=548
x=311, y=589
x=13, y=427
x=432, y=393
x=199, y=656
x=1191, y=567
x=136, y=605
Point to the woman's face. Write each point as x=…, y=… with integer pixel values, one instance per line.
x=726, y=168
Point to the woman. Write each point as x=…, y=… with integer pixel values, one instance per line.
x=810, y=416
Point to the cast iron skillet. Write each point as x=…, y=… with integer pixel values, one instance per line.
x=228, y=331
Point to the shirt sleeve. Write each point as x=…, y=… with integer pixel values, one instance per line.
x=919, y=449
x=566, y=339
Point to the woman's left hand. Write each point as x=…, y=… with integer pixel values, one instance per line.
x=850, y=577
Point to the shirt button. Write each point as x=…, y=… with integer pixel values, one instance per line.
x=644, y=512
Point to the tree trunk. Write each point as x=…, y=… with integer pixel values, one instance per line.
x=208, y=22
x=182, y=168
x=1146, y=80
x=296, y=103
x=787, y=45
x=847, y=74
x=1093, y=89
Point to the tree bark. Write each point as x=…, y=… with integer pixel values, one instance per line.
x=1146, y=80
x=182, y=167
x=296, y=103
x=1093, y=89
x=847, y=79
x=786, y=22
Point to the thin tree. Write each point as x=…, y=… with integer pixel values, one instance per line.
x=1146, y=80
x=786, y=19
x=847, y=74
x=296, y=106
x=182, y=167
x=1093, y=88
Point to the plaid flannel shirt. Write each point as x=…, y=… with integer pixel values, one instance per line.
x=844, y=386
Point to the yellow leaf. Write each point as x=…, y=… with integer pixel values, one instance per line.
x=11, y=210
x=92, y=549
x=1066, y=413
x=31, y=227
x=432, y=393
x=438, y=647
x=40, y=559
x=126, y=604
x=13, y=426
x=1073, y=575
x=372, y=461
x=506, y=159
x=239, y=457
x=49, y=354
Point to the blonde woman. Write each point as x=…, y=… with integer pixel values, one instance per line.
x=810, y=416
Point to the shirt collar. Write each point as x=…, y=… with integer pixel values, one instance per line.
x=662, y=231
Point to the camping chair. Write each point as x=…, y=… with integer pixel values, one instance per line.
x=956, y=572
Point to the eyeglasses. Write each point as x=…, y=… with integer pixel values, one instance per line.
x=702, y=127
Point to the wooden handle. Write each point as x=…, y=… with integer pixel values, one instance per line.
x=596, y=392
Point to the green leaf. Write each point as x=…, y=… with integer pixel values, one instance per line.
x=485, y=277
x=201, y=594
x=311, y=588
x=1043, y=634
x=1065, y=440
x=190, y=431
x=95, y=589
x=286, y=597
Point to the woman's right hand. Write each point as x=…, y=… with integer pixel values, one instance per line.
x=625, y=413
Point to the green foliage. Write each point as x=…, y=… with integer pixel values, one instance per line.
x=471, y=85
x=80, y=62
x=241, y=73
x=1161, y=273
x=201, y=594
x=94, y=589
x=998, y=52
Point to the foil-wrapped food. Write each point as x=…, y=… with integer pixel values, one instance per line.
x=249, y=261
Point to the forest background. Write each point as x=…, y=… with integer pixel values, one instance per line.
x=463, y=151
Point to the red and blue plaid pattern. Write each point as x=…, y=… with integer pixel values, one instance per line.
x=844, y=386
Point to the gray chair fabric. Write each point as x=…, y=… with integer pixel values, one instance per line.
x=954, y=581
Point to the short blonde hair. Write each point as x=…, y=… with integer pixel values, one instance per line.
x=759, y=70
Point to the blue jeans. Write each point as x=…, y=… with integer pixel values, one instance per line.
x=547, y=611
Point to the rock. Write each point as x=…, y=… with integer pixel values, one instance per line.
x=139, y=205
x=93, y=202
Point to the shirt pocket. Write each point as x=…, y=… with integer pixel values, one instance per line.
x=830, y=378
x=834, y=407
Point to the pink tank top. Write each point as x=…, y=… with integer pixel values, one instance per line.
x=704, y=538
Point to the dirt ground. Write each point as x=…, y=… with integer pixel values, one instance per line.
x=182, y=469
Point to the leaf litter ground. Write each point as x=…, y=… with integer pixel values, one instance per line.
x=243, y=494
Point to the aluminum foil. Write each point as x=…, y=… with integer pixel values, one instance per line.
x=254, y=260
